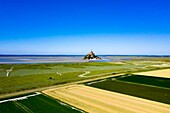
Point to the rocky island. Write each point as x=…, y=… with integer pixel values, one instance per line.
x=91, y=56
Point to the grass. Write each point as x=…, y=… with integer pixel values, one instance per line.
x=17, y=83
x=30, y=76
x=136, y=88
x=36, y=104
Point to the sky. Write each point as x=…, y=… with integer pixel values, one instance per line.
x=115, y=27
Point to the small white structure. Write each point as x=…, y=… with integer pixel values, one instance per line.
x=8, y=71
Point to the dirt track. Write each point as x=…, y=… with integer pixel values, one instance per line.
x=95, y=100
x=165, y=73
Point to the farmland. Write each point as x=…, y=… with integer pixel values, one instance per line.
x=36, y=104
x=94, y=100
x=32, y=76
x=139, y=86
x=157, y=73
x=146, y=80
x=124, y=93
x=78, y=83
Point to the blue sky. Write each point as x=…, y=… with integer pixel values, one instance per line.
x=77, y=26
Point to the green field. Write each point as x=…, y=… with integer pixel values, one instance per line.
x=146, y=80
x=151, y=88
x=31, y=76
x=37, y=104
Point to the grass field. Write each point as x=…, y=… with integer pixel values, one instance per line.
x=31, y=76
x=37, y=104
x=156, y=89
x=18, y=83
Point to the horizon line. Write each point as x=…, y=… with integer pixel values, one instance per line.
x=84, y=54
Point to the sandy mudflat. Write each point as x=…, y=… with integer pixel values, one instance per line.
x=165, y=73
x=94, y=100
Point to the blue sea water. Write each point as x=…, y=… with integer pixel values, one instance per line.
x=26, y=59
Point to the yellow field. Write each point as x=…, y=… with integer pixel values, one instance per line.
x=165, y=73
x=94, y=100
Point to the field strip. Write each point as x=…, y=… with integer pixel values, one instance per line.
x=20, y=98
x=101, y=101
x=143, y=84
x=165, y=73
x=23, y=108
x=103, y=94
x=104, y=102
x=117, y=100
x=86, y=97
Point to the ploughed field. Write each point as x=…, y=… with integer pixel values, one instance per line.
x=165, y=73
x=35, y=104
x=95, y=100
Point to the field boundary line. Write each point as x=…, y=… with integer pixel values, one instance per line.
x=20, y=98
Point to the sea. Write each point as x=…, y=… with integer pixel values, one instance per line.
x=27, y=59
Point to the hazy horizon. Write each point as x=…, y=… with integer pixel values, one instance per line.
x=84, y=54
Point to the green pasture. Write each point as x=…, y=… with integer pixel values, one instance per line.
x=18, y=83
x=30, y=76
x=37, y=104
x=156, y=89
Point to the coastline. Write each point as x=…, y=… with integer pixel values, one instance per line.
x=28, y=59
